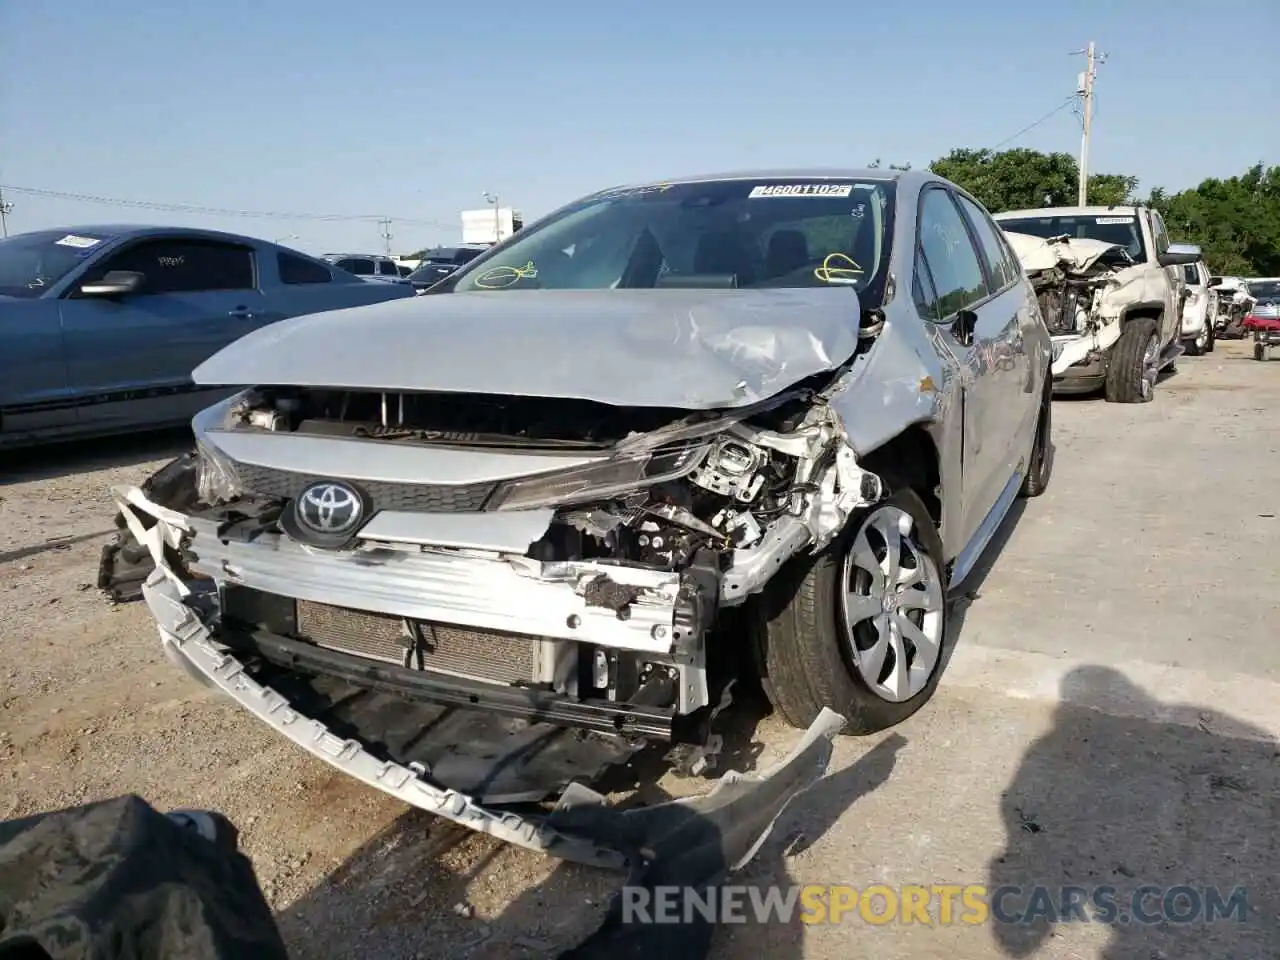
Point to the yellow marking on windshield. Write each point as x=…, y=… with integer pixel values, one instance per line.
x=500, y=277
x=838, y=268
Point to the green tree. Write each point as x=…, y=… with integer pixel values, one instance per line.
x=1020, y=178
x=1235, y=221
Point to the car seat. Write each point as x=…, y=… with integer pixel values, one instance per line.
x=788, y=251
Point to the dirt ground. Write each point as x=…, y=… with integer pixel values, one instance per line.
x=89, y=708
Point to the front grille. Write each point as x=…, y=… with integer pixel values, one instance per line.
x=409, y=497
x=481, y=654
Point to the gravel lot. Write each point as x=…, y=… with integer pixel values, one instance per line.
x=89, y=708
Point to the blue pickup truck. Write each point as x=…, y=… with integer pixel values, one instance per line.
x=100, y=327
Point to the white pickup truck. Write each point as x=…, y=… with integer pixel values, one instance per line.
x=1110, y=286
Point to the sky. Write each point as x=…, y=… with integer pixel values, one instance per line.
x=413, y=110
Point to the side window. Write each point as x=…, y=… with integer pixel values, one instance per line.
x=387, y=268
x=953, y=262
x=1191, y=273
x=185, y=266
x=360, y=266
x=1158, y=230
x=300, y=270
x=1002, y=273
x=922, y=291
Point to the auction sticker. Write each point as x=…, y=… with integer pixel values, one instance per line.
x=801, y=190
x=1114, y=220
x=80, y=243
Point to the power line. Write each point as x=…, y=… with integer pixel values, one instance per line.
x=1031, y=126
x=211, y=211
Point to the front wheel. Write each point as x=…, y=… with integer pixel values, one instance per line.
x=1134, y=363
x=1199, y=345
x=860, y=627
x=1259, y=351
x=1211, y=337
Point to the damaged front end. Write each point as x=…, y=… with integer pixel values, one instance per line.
x=1082, y=287
x=472, y=601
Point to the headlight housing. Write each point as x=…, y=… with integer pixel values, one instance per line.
x=599, y=481
x=217, y=479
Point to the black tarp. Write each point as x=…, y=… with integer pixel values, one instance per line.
x=118, y=880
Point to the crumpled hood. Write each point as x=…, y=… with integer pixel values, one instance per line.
x=1077, y=253
x=690, y=349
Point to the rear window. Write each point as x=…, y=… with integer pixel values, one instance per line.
x=358, y=265
x=1120, y=229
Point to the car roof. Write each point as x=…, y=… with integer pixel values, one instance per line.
x=134, y=230
x=795, y=173
x=1117, y=211
x=363, y=256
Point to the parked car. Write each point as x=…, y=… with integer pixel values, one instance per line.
x=1198, y=310
x=439, y=262
x=102, y=325
x=520, y=508
x=1232, y=305
x=1263, y=320
x=369, y=266
x=1110, y=285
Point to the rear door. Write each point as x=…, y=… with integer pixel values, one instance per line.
x=953, y=288
x=131, y=357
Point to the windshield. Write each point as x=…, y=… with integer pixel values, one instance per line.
x=711, y=234
x=1265, y=290
x=31, y=263
x=1123, y=230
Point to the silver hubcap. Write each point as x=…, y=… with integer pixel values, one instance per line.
x=1150, y=370
x=892, y=605
x=1203, y=339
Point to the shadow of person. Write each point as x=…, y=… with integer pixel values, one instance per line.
x=1126, y=800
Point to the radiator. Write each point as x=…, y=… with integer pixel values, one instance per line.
x=480, y=654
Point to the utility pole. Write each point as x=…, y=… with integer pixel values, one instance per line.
x=5, y=209
x=1085, y=89
x=385, y=224
x=497, y=214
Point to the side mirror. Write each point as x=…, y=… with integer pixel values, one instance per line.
x=1214, y=281
x=1179, y=254
x=116, y=283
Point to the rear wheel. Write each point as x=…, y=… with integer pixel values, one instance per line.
x=1134, y=363
x=1040, y=466
x=860, y=627
x=1259, y=351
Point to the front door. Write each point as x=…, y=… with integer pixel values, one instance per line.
x=950, y=264
x=130, y=358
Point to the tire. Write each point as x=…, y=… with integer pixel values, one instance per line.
x=1128, y=375
x=804, y=649
x=1213, y=338
x=1259, y=352
x=1040, y=466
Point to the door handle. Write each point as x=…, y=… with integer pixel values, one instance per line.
x=241, y=313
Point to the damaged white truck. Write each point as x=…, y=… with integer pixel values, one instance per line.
x=1111, y=292
x=476, y=547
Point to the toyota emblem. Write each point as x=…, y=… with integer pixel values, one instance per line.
x=329, y=509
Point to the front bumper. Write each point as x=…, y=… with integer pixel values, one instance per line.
x=474, y=589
